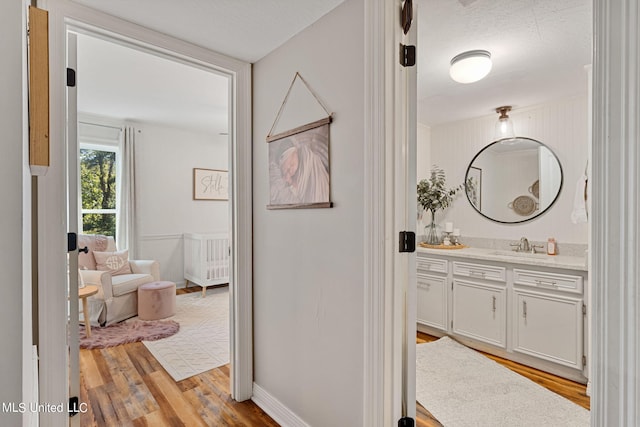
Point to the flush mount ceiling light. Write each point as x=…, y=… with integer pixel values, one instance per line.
x=470, y=66
x=504, y=125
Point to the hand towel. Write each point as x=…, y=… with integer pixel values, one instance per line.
x=579, y=213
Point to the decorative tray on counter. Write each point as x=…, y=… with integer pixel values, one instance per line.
x=426, y=245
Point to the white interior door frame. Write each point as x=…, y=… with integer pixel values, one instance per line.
x=387, y=274
x=72, y=223
x=64, y=15
x=615, y=218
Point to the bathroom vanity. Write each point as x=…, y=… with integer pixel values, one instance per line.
x=529, y=308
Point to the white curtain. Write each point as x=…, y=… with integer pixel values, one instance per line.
x=126, y=215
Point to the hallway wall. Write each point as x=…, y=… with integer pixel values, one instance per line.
x=308, y=263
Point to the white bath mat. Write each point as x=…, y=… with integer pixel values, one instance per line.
x=461, y=387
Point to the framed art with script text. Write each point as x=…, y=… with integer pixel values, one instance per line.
x=210, y=184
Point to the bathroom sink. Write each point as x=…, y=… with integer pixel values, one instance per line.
x=518, y=254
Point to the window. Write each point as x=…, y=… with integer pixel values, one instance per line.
x=98, y=179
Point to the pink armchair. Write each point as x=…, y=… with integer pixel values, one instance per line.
x=117, y=297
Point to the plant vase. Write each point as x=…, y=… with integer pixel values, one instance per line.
x=431, y=232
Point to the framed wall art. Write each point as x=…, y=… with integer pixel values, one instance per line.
x=210, y=184
x=299, y=162
x=474, y=187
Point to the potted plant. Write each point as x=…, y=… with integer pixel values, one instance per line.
x=432, y=196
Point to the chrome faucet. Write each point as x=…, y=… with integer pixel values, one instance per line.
x=524, y=246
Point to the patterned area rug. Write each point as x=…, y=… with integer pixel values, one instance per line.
x=461, y=387
x=125, y=332
x=203, y=340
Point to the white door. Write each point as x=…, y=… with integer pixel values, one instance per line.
x=72, y=224
x=405, y=215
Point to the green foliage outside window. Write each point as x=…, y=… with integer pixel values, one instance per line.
x=98, y=185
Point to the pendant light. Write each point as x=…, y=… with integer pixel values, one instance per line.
x=504, y=125
x=470, y=66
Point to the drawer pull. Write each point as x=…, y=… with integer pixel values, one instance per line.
x=544, y=284
x=477, y=273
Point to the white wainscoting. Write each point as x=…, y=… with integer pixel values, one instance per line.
x=167, y=249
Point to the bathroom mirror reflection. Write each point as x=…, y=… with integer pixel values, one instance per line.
x=513, y=180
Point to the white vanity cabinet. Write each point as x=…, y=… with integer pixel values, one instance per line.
x=533, y=314
x=548, y=316
x=433, y=292
x=432, y=301
x=479, y=311
x=479, y=302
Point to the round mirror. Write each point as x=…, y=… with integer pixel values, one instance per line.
x=513, y=180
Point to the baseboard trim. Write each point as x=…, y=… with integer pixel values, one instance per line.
x=275, y=409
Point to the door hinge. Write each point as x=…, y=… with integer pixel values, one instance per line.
x=73, y=406
x=584, y=309
x=72, y=242
x=407, y=55
x=407, y=241
x=406, y=422
x=584, y=361
x=71, y=77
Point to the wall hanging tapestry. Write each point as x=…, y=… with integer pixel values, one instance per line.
x=299, y=162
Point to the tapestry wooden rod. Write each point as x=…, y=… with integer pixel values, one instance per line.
x=300, y=129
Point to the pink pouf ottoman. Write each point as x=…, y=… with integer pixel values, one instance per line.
x=156, y=300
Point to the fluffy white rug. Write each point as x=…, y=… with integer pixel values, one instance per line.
x=203, y=340
x=461, y=387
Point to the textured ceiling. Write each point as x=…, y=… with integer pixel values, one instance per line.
x=539, y=49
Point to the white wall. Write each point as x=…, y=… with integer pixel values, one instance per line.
x=308, y=263
x=165, y=158
x=11, y=177
x=562, y=125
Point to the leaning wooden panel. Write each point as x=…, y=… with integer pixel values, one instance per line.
x=38, y=89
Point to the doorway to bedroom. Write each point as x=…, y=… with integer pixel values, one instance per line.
x=153, y=136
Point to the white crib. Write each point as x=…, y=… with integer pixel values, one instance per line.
x=206, y=259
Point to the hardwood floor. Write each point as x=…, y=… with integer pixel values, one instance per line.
x=573, y=391
x=126, y=386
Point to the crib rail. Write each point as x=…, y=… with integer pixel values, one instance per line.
x=206, y=259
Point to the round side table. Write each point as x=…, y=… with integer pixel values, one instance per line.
x=83, y=294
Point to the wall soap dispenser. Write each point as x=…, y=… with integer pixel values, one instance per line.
x=551, y=246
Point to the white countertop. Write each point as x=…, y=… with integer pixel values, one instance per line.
x=501, y=255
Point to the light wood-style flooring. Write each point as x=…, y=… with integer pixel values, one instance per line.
x=571, y=390
x=126, y=386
